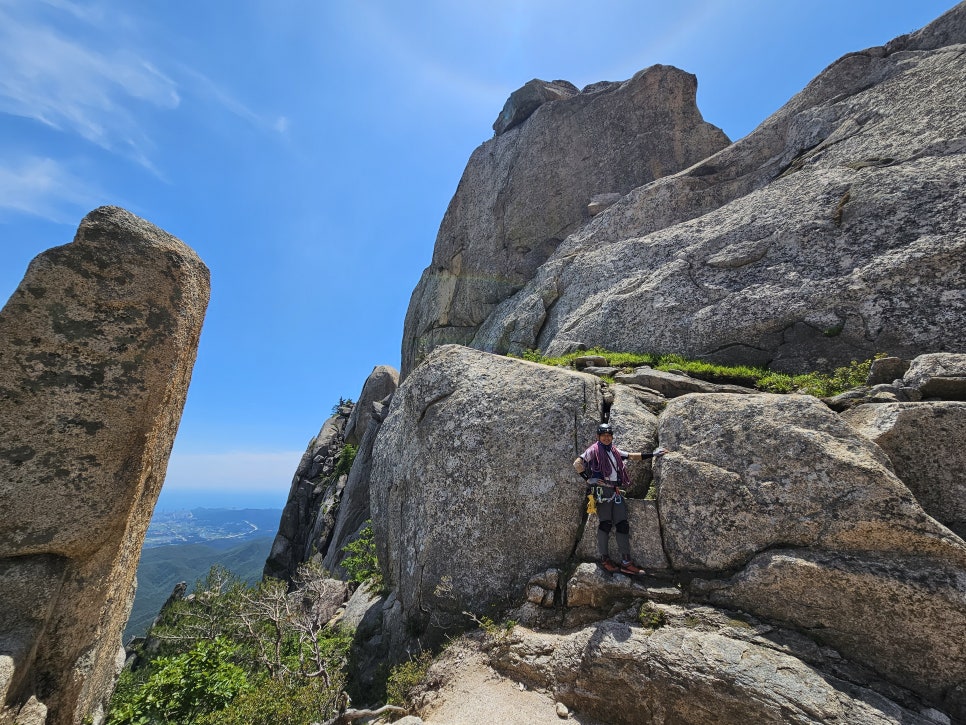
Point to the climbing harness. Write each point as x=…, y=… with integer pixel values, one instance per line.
x=598, y=494
x=616, y=494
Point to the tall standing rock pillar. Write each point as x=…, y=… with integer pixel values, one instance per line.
x=97, y=346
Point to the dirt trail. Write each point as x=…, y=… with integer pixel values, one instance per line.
x=471, y=692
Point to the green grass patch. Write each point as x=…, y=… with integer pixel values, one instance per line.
x=818, y=384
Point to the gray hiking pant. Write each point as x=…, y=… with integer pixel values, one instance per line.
x=610, y=515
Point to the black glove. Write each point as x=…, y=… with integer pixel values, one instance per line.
x=585, y=475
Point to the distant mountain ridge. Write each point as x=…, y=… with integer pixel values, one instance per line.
x=183, y=545
x=162, y=567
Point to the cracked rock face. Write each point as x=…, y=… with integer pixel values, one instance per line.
x=895, y=614
x=697, y=668
x=750, y=472
x=458, y=529
x=924, y=442
x=97, y=346
x=833, y=231
x=527, y=188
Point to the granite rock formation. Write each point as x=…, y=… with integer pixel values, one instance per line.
x=309, y=515
x=800, y=568
x=527, y=188
x=770, y=505
x=749, y=473
x=97, y=346
x=833, y=231
x=328, y=503
x=380, y=384
x=472, y=488
x=920, y=440
x=699, y=666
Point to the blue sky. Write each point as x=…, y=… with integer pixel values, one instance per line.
x=307, y=150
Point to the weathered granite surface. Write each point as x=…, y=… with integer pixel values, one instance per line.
x=527, y=188
x=472, y=488
x=97, y=346
x=833, y=231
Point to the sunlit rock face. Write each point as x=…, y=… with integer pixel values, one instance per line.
x=97, y=346
x=472, y=488
x=831, y=232
x=529, y=187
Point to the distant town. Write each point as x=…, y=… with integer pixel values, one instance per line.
x=203, y=525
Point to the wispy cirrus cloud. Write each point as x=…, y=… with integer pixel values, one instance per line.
x=68, y=83
x=86, y=70
x=45, y=188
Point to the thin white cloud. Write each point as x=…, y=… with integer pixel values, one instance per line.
x=240, y=471
x=202, y=87
x=66, y=65
x=77, y=88
x=45, y=188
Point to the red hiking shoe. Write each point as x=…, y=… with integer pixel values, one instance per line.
x=609, y=566
x=630, y=568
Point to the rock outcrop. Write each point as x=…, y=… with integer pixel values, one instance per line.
x=97, y=346
x=752, y=472
x=527, y=188
x=773, y=505
x=921, y=442
x=698, y=666
x=472, y=488
x=328, y=503
x=893, y=614
x=309, y=515
x=380, y=384
x=799, y=564
x=794, y=247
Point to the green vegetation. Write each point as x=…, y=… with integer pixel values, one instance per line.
x=346, y=458
x=238, y=653
x=343, y=402
x=361, y=562
x=814, y=383
x=405, y=677
x=651, y=617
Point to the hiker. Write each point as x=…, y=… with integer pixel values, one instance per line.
x=602, y=466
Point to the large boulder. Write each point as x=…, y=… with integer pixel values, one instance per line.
x=472, y=489
x=794, y=246
x=693, y=669
x=527, y=188
x=97, y=346
x=528, y=98
x=902, y=616
x=938, y=375
x=925, y=444
x=751, y=472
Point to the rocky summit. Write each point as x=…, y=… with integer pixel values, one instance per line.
x=833, y=231
x=803, y=556
x=97, y=346
x=525, y=190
